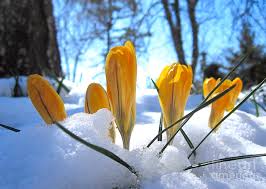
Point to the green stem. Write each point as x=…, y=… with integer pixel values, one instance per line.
x=256, y=106
x=260, y=106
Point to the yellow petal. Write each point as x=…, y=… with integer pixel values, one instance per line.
x=215, y=117
x=121, y=74
x=45, y=99
x=222, y=102
x=129, y=45
x=225, y=103
x=208, y=85
x=96, y=99
x=235, y=93
x=174, y=85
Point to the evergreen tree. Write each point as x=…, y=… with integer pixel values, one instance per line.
x=254, y=69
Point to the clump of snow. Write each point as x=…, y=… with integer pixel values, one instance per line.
x=44, y=157
x=51, y=159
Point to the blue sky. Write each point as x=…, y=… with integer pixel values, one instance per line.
x=215, y=36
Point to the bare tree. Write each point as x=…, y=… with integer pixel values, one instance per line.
x=174, y=20
x=108, y=22
x=248, y=11
x=173, y=17
x=195, y=31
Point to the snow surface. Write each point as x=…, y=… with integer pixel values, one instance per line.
x=43, y=156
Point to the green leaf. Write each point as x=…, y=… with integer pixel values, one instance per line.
x=197, y=165
x=259, y=106
x=256, y=106
x=60, y=85
x=99, y=149
x=160, y=137
x=53, y=75
x=9, y=128
x=156, y=87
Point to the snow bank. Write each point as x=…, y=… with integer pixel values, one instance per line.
x=44, y=157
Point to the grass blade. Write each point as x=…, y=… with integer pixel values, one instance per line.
x=63, y=85
x=160, y=137
x=256, y=106
x=53, y=75
x=60, y=85
x=172, y=138
x=154, y=84
x=9, y=128
x=186, y=138
x=225, y=117
x=203, y=105
x=99, y=149
x=190, y=144
x=259, y=105
x=223, y=160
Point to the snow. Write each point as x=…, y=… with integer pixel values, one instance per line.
x=43, y=156
x=7, y=86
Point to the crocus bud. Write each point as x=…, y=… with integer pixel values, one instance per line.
x=121, y=74
x=225, y=103
x=174, y=86
x=96, y=99
x=45, y=99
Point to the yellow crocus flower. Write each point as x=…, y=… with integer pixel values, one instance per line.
x=225, y=103
x=121, y=74
x=96, y=99
x=208, y=85
x=174, y=86
x=45, y=99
